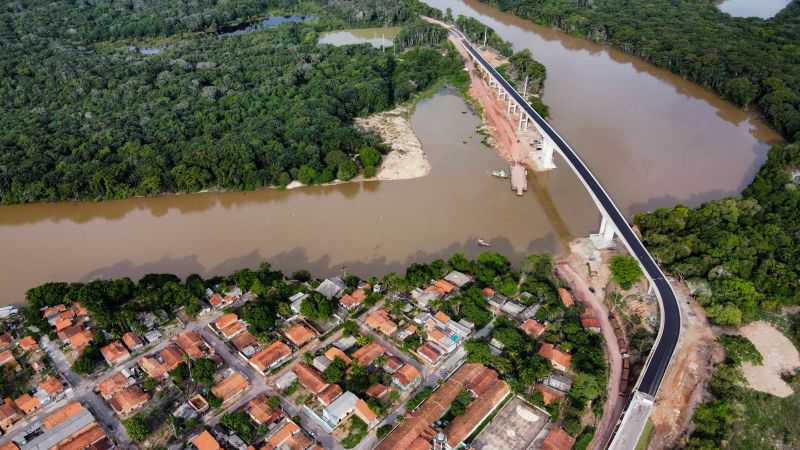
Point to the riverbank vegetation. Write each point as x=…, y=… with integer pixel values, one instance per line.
x=93, y=118
x=749, y=61
x=739, y=256
x=525, y=73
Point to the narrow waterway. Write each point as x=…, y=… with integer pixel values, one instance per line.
x=370, y=228
x=652, y=138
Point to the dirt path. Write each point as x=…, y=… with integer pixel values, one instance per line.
x=501, y=127
x=594, y=301
x=684, y=383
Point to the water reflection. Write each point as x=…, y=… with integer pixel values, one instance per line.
x=377, y=37
x=753, y=8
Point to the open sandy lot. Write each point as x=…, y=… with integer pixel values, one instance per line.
x=780, y=355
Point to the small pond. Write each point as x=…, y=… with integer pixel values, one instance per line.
x=377, y=37
x=753, y=8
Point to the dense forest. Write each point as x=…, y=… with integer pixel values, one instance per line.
x=88, y=117
x=749, y=61
x=739, y=255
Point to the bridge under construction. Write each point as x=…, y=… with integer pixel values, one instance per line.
x=612, y=224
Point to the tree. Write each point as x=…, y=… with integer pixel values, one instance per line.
x=240, y=423
x=274, y=402
x=459, y=405
x=383, y=430
x=494, y=261
x=739, y=349
x=202, y=371
x=88, y=360
x=370, y=156
x=137, y=428
x=335, y=372
x=625, y=270
x=538, y=266
x=585, y=388
x=180, y=373
x=350, y=328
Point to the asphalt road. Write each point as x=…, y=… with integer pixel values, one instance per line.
x=669, y=332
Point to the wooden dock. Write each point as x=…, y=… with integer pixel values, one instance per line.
x=519, y=177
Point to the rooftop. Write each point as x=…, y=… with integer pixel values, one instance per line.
x=518, y=415
x=114, y=352
x=299, y=334
x=132, y=340
x=407, y=375
x=310, y=377
x=230, y=386
x=566, y=297
x=205, y=441
x=555, y=355
x=558, y=439
x=366, y=354
x=113, y=384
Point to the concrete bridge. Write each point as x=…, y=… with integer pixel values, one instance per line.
x=613, y=223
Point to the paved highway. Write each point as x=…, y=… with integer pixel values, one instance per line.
x=669, y=331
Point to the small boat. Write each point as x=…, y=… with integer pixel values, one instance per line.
x=499, y=174
x=483, y=243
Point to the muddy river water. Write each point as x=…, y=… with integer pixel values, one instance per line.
x=652, y=138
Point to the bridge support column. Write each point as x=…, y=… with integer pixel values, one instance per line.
x=523, y=122
x=547, y=161
x=512, y=107
x=605, y=237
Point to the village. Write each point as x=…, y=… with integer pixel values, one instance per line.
x=400, y=363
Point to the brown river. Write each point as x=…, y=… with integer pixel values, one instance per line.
x=652, y=139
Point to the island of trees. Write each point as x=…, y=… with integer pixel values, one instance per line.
x=87, y=115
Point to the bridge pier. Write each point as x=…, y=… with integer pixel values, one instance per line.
x=512, y=107
x=523, y=122
x=605, y=236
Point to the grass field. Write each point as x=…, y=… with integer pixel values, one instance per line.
x=767, y=422
x=646, y=434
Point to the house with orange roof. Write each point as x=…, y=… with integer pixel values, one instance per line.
x=89, y=437
x=217, y=301
x=259, y=410
x=27, y=404
x=246, y=344
x=205, y=441
x=113, y=384
x=6, y=339
x=64, y=320
x=441, y=317
x=333, y=353
x=566, y=297
x=378, y=391
x=60, y=415
x=558, y=439
x=329, y=394
x=442, y=339
x=310, y=377
x=115, y=353
x=441, y=288
x=590, y=322
x=549, y=395
x=558, y=358
x=9, y=414
x=381, y=320
x=172, y=357
x=407, y=377
x=229, y=325
x=80, y=340
x=7, y=357
x=132, y=341
x=51, y=385
x=272, y=356
x=28, y=344
x=298, y=334
x=128, y=399
x=288, y=436
x=194, y=345
x=10, y=445
x=66, y=334
x=349, y=302
x=366, y=354
x=51, y=313
x=152, y=366
x=464, y=425
x=365, y=413
x=231, y=386
x=392, y=364
x=533, y=328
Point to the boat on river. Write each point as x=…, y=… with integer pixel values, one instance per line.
x=499, y=174
x=483, y=243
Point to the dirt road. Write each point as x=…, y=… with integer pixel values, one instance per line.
x=594, y=301
x=501, y=127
